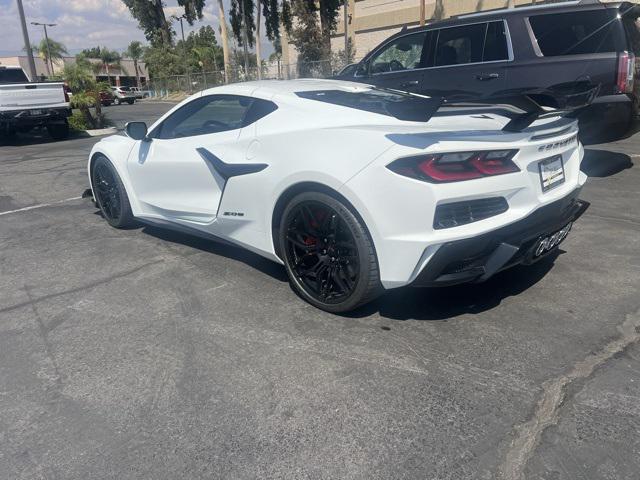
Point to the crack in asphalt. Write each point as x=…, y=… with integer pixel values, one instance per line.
x=554, y=392
x=86, y=286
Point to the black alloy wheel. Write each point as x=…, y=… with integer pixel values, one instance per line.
x=328, y=253
x=110, y=194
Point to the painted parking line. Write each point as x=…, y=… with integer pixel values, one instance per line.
x=41, y=205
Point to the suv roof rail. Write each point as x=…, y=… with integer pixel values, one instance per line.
x=547, y=4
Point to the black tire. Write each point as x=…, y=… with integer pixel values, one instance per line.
x=58, y=131
x=110, y=194
x=130, y=102
x=116, y=101
x=328, y=253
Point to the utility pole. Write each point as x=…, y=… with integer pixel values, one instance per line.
x=244, y=39
x=46, y=39
x=184, y=51
x=27, y=43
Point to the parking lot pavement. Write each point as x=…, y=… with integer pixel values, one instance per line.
x=147, y=354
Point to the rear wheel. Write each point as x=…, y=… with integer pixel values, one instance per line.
x=110, y=195
x=58, y=131
x=328, y=253
x=130, y=102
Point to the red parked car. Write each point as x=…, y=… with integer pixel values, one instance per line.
x=106, y=98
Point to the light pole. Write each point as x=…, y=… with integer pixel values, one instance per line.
x=46, y=39
x=184, y=50
x=27, y=43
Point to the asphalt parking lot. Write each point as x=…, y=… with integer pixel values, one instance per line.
x=146, y=354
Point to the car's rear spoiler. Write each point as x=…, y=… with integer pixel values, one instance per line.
x=526, y=106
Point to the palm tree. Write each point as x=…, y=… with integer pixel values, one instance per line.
x=55, y=51
x=225, y=42
x=110, y=58
x=134, y=52
x=86, y=92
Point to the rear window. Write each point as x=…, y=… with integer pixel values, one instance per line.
x=576, y=33
x=12, y=75
x=385, y=102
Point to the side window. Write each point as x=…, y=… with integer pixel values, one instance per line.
x=404, y=53
x=213, y=114
x=460, y=45
x=591, y=31
x=495, y=43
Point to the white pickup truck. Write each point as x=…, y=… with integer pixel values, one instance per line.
x=25, y=105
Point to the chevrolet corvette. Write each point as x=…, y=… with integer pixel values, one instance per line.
x=354, y=189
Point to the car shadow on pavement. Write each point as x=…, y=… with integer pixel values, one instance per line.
x=445, y=303
x=219, y=248
x=603, y=163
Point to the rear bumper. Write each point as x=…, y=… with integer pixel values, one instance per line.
x=478, y=258
x=609, y=116
x=25, y=118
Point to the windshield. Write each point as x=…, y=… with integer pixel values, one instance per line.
x=12, y=75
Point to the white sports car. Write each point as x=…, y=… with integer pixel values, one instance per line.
x=354, y=189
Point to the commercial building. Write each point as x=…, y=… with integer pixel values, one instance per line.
x=121, y=75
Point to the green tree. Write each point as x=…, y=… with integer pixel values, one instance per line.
x=55, y=51
x=109, y=59
x=86, y=91
x=306, y=36
x=152, y=20
x=93, y=52
x=162, y=61
x=134, y=52
x=202, y=46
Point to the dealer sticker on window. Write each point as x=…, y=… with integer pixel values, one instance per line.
x=551, y=172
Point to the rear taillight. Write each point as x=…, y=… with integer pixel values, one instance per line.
x=66, y=89
x=456, y=167
x=626, y=71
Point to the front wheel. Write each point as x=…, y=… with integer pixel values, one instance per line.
x=110, y=195
x=328, y=253
x=116, y=101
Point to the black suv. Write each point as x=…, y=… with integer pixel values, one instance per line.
x=509, y=51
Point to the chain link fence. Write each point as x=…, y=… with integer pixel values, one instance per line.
x=195, y=81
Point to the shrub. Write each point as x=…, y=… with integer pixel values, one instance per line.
x=77, y=121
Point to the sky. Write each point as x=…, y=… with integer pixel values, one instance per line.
x=89, y=23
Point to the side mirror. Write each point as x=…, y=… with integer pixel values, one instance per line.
x=136, y=130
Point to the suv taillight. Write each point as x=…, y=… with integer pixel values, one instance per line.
x=626, y=71
x=456, y=167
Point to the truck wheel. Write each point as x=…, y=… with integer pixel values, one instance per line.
x=58, y=131
x=116, y=101
x=130, y=102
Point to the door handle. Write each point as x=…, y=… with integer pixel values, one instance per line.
x=487, y=76
x=411, y=83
